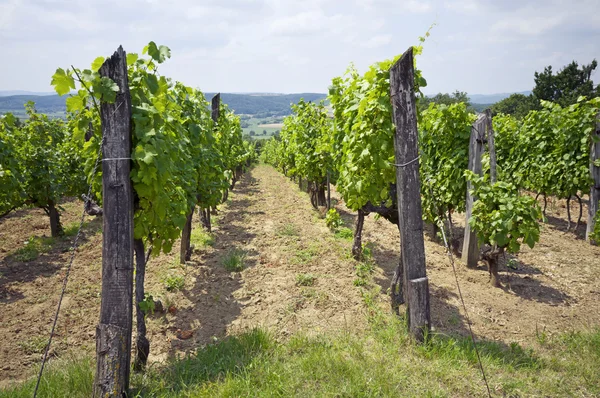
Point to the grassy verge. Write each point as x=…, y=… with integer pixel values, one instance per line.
x=381, y=361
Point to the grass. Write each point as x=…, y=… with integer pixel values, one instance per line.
x=304, y=256
x=234, y=260
x=200, y=238
x=34, y=344
x=288, y=230
x=305, y=279
x=379, y=361
x=32, y=248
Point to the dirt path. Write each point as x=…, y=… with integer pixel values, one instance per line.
x=298, y=276
x=267, y=220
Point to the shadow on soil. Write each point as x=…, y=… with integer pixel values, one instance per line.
x=560, y=224
x=214, y=306
x=46, y=263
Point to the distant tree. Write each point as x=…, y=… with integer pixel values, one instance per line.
x=567, y=85
x=446, y=99
x=517, y=105
x=252, y=133
x=264, y=132
x=244, y=124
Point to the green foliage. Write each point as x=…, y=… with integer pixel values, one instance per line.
x=457, y=97
x=567, y=85
x=517, y=105
x=333, y=220
x=304, y=146
x=502, y=217
x=179, y=156
x=174, y=283
x=147, y=304
x=305, y=279
x=548, y=151
x=444, y=136
x=363, y=134
x=40, y=162
x=234, y=260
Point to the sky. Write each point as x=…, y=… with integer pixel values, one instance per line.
x=289, y=46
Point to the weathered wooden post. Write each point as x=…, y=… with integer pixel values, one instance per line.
x=409, y=195
x=328, y=191
x=595, y=188
x=491, y=145
x=470, y=253
x=113, y=334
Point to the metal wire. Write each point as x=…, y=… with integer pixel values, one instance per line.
x=64, y=286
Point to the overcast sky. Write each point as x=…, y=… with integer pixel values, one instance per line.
x=477, y=46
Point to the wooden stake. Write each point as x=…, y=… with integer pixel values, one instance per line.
x=595, y=188
x=113, y=334
x=409, y=195
x=470, y=253
x=491, y=145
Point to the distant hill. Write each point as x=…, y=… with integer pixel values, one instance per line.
x=23, y=92
x=260, y=105
x=52, y=105
x=492, y=98
x=264, y=105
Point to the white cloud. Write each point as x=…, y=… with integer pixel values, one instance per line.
x=286, y=46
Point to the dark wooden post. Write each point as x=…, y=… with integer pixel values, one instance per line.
x=491, y=145
x=185, y=251
x=113, y=334
x=595, y=188
x=328, y=191
x=470, y=253
x=410, y=212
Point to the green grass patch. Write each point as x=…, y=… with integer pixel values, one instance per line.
x=32, y=248
x=288, y=229
x=234, y=260
x=305, y=256
x=344, y=233
x=34, y=344
x=72, y=228
x=201, y=238
x=381, y=361
x=305, y=280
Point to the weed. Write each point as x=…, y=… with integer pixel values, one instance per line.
x=147, y=305
x=305, y=255
x=174, y=282
x=364, y=269
x=34, y=345
x=33, y=247
x=288, y=230
x=333, y=220
x=234, y=260
x=344, y=233
x=305, y=280
x=359, y=282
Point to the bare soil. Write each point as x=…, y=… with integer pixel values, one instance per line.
x=555, y=288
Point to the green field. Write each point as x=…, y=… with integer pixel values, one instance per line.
x=261, y=126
